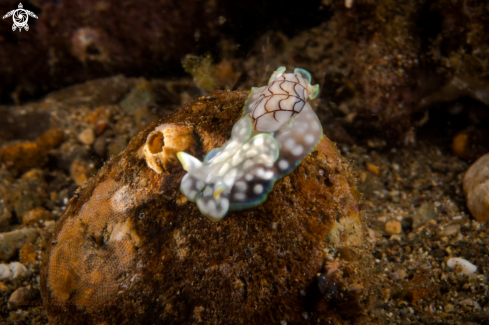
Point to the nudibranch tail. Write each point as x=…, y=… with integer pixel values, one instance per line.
x=190, y=163
x=277, y=131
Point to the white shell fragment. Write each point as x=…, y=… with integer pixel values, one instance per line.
x=470, y=302
x=5, y=272
x=465, y=266
x=17, y=269
x=12, y=270
x=278, y=129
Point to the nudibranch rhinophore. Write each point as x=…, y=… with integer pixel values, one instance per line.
x=277, y=131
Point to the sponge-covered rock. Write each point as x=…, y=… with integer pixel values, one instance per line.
x=131, y=249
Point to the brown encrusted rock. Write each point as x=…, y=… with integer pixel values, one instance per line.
x=11, y=242
x=23, y=156
x=131, y=249
x=35, y=215
x=93, y=46
x=476, y=188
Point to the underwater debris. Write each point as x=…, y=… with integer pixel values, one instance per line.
x=201, y=69
x=459, y=86
x=471, y=143
x=278, y=129
x=208, y=75
x=90, y=44
x=87, y=136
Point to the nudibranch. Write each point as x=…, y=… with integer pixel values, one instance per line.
x=277, y=131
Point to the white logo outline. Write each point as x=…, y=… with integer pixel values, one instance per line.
x=20, y=17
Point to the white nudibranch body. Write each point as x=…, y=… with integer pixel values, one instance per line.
x=277, y=131
x=283, y=98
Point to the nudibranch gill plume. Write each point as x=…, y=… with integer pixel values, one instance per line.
x=277, y=130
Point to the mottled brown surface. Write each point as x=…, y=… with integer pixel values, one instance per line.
x=74, y=41
x=383, y=64
x=256, y=266
x=23, y=156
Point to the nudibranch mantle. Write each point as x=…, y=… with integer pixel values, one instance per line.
x=283, y=98
x=277, y=131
